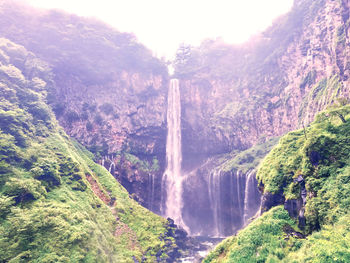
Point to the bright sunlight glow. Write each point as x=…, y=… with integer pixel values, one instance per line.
x=162, y=25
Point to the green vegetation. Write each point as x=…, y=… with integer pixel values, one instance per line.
x=341, y=35
x=143, y=165
x=249, y=159
x=56, y=204
x=321, y=154
x=261, y=241
x=322, y=94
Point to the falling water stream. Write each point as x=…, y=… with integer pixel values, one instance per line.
x=206, y=201
x=233, y=199
x=172, y=178
x=232, y=196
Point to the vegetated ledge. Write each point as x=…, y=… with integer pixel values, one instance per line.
x=307, y=172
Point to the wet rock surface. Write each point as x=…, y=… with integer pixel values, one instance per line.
x=270, y=200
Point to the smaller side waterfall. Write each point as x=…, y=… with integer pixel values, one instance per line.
x=214, y=190
x=252, y=197
x=151, y=191
x=111, y=168
x=234, y=198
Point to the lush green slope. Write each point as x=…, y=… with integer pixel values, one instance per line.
x=261, y=241
x=320, y=154
x=56, y=204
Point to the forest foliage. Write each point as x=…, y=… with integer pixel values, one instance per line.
x=56, y=203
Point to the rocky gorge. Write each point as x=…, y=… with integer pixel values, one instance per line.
x=110, y=94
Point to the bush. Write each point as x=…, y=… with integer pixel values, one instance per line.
x=98, y=119
x=72, y=116
x=47, y=170
x=106, y=108
x=24, y=190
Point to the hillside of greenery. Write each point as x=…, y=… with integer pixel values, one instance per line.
x=56, y=203
x=320, y=154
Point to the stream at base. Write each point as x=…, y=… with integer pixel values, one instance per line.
x=203, y=247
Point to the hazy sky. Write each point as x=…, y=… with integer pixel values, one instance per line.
x=163, y=24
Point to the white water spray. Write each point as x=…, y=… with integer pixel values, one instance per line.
x=172, y=178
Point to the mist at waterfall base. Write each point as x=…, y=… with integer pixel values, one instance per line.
x=203, y=200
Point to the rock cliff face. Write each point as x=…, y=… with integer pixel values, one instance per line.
x=127, y=113
x=295, y=69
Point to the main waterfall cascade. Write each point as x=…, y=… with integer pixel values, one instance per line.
x=172, y=178
x=206, y=201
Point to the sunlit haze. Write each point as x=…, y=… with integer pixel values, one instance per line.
x=163, y=24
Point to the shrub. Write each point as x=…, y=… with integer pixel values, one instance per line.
x=72, y=116
x=106, y=108
x=47, y=170
x=89, y=126
x=24, y=190
x=98, y=119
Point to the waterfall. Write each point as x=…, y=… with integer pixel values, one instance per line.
x=111, y=166
x=252, y=197
x=233, y=198
x=246, y=197
x=172, y=179
x=214, y=199
x=151, y=189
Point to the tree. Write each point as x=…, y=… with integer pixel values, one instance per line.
x=338, y=109
x=183, y=55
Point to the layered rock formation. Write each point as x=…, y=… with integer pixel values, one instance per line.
x=124, y=114
x=234, y=95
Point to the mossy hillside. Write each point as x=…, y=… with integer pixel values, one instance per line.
x=249, y=159
x=48, y=209
x=320, y=153
x=261, y=241
x=322, y=94
x=147, y=226
x=266, y=240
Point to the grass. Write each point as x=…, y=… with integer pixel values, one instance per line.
x=249, y=159
x=261, y=241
